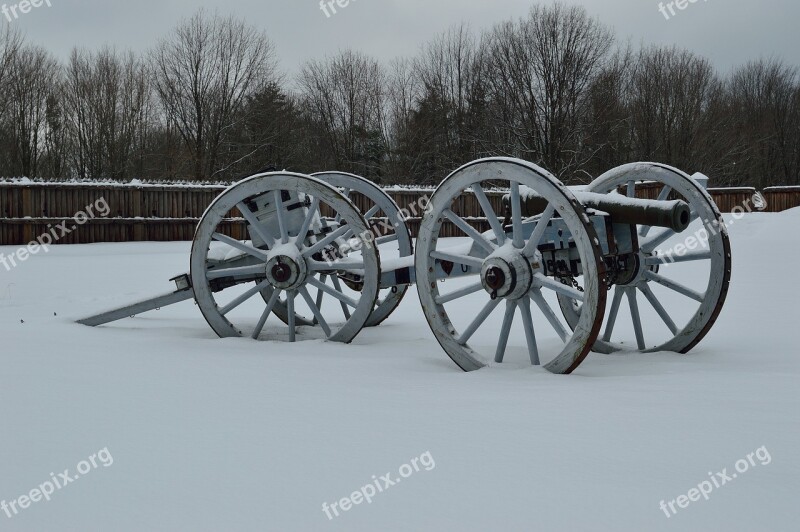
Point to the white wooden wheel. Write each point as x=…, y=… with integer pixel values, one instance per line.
x=462, y=283
x=291, y=248
x=663, y=305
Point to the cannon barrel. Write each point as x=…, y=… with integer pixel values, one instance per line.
x=675, y=214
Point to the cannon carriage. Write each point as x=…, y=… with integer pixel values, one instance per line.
x=314, y=265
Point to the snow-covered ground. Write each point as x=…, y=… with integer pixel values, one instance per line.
x=210, y=434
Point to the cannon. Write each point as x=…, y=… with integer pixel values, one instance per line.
x=675, y=214
x=331, y=253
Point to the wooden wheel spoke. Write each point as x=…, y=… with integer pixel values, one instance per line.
x=637, y=320
x=303, y=233
x=538, y=298
x=505, y=329
x=386, y=239
x=488, y=211
x=337, y=284
x=469, y=230
x=692, y=256
x=516, y=216
x=659, y=308
x=458, y=259
x=612, y=316
x=675, y=286
x=259, y=229
x=560, y=288
x=538, y=232
x=316, y=311
x=281, y=215
x=372, y=212
x=241, y=246
x=332, y=292
x=328, y=240
x=244, y=297
x=478, y=321
x=290, y=297
x=267, y=311
x=458, y=294
x=530, y=334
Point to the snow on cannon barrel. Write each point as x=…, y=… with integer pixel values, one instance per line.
x=674, y=215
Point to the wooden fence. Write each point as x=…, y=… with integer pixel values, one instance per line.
x=168, y=212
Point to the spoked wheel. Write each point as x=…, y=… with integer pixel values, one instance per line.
x=687, y=273
x=389, y=233
x=461, y=282
x=292, y=249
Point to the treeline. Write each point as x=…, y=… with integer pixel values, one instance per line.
x=556, y=87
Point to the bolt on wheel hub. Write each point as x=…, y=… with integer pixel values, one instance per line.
x=495, y=278
x=281, y=272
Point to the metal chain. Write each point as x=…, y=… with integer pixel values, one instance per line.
x=566, y=278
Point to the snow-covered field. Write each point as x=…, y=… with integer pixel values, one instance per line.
x=210, y=434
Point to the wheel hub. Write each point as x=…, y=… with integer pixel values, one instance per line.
x=286, y=269
x=632, y=272
x=507, y=274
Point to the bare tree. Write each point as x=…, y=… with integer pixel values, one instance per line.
x=207, y=102
x=403, y=93
x=670, y=93
x=763, y=99
x=345, y=96
x=269, y=136
x=608, y=131
x=107, y=103
x=203, y=75
x=10, y=42
x=540, y=70
x=32, y=81
x=452, y=101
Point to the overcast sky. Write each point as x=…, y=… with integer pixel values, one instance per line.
x=729, y=32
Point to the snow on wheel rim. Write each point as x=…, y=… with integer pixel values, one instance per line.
x=680, y=339
x=282, y=262
x=510, y=270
